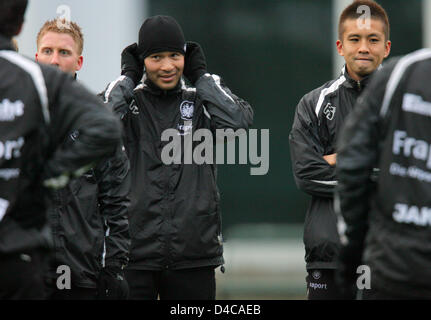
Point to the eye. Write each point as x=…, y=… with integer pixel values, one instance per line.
x=155, y=57
x=46, y=51
x=354, y=39
x=64, y=52
x=374, y=40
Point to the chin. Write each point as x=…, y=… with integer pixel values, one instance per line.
x=168, y=86
x=365, y=72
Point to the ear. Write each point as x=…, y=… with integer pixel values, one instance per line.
x=18, y=31
x=143, y=65
x=387, y=48
x=340, y=48
x=80, y=62
x=35, y=57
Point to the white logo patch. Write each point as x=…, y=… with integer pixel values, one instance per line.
x=133, y=107
x=329, y=111
x=10, y=110
x=316, y=274
x=420, y=216
x=187, y=109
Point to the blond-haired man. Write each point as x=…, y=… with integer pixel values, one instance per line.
x=89, y=217
x=60, y=43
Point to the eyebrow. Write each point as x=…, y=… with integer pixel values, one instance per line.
x=52, y=48
x=368, y=36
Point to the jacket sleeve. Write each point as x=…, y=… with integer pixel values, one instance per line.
x=312, y=173
x=225, y=109
x=118, y=95
x=72, y=107
x=114, y=188
x=358, y=149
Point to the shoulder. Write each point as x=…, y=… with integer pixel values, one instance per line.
x=313, y=100
x=395, y=68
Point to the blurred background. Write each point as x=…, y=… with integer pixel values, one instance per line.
x=268, y=52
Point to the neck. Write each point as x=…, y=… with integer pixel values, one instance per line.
x=354, y=76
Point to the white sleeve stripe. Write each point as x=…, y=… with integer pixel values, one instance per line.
x=185, y=87
x=111, y=86
x=104, y=246
x=206, y=112
x=329, y=183
x=4, y=204
x=397, y=74
x=33, y=69
x=217, y=82
x=327, y=91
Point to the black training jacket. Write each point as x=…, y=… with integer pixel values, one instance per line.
x=318, y=120
x=388, y=219
x=39, y=106
x=175, y=219
x=89, y=220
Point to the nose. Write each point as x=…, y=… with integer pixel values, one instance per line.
x=364, y=46
x=167, y=66
x=55, y=59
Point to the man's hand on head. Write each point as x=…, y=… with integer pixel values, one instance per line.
x=131, y=65
x=195, y=63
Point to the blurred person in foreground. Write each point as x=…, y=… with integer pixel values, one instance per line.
x=39, y=105
x=89, y=216
x=318, y=120
x=388, y=218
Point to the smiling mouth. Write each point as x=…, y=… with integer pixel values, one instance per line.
x=167, y=77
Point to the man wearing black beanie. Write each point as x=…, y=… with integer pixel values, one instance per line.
x=175, y=219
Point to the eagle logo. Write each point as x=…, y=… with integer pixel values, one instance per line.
x=186, y=109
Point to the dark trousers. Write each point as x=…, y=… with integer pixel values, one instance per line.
x=184, y=284
x=321, y=285
x=21, y=276
x=74, y=293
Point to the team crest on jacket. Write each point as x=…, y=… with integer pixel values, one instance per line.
x=316, y=274
x=329, y=111
x=186, y=109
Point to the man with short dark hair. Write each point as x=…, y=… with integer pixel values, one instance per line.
x=175, y=221
x=364, y=43
x=38, y=107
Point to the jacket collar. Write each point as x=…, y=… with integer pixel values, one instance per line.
x=354, y=84
x=149, y=86
x=5, y=43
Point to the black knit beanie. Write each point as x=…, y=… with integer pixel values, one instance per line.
x=160, y=33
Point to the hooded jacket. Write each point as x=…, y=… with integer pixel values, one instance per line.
x=175, y=218
x=89, y=220
x=388, y=219
x=318, y=120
